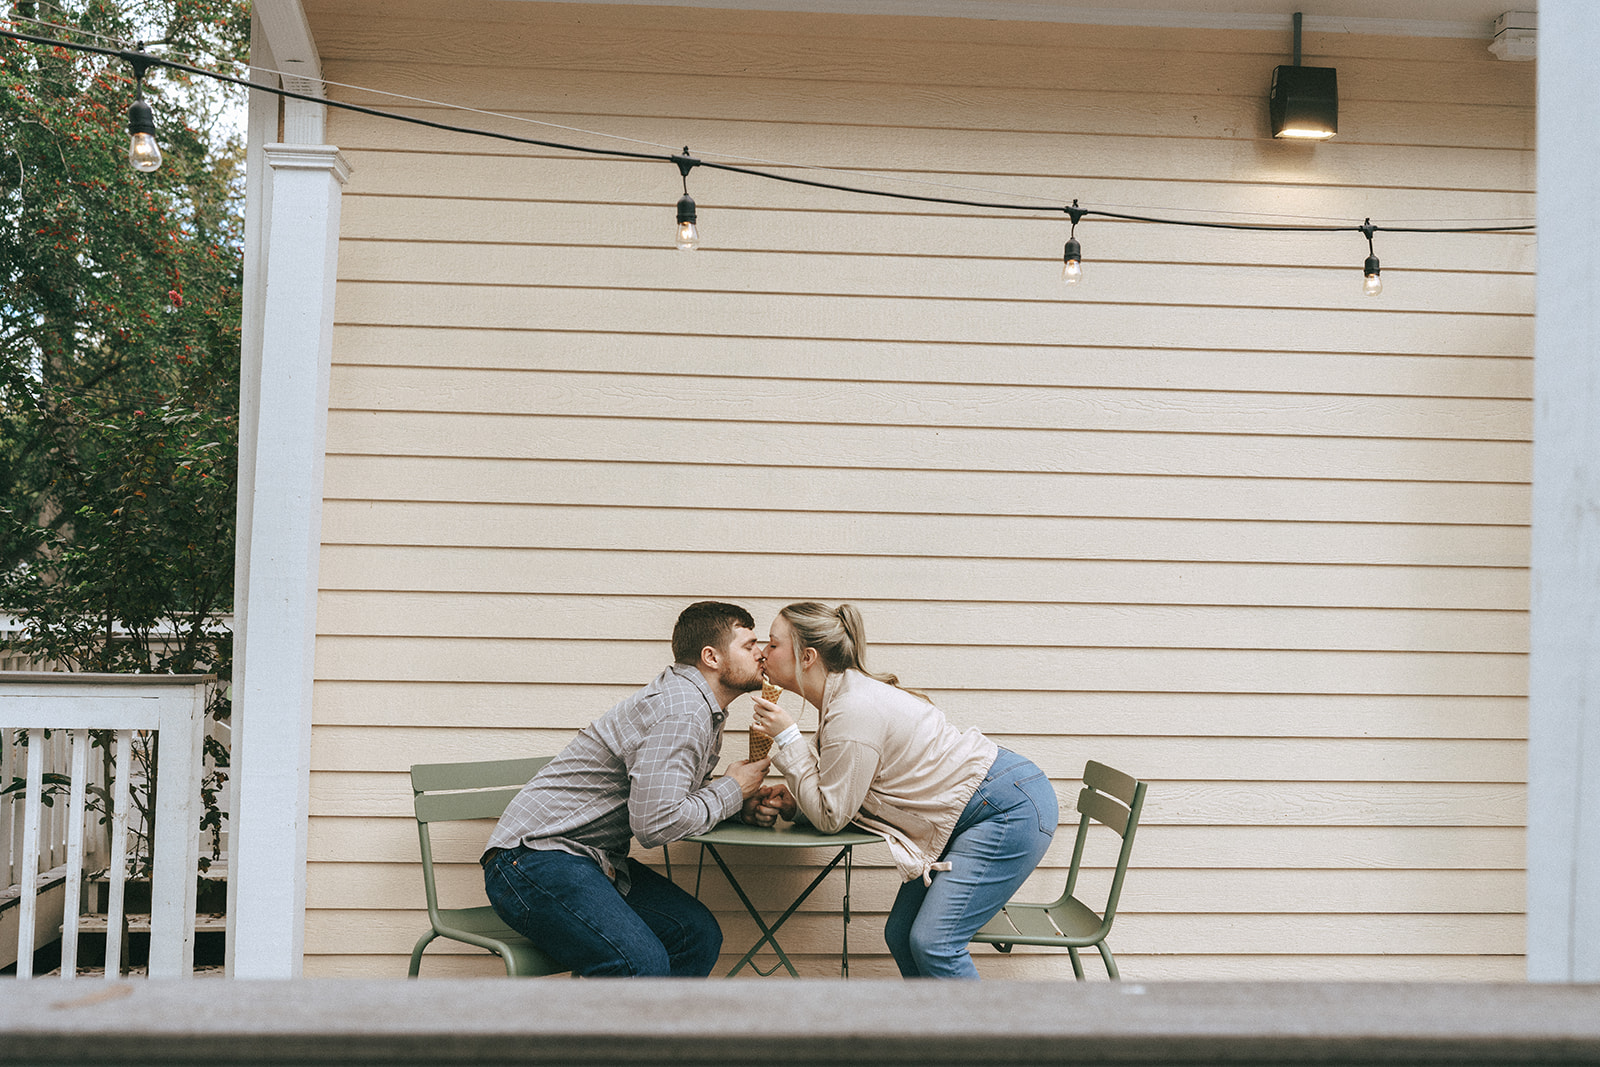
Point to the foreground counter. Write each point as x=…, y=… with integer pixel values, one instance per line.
x=489, y=1022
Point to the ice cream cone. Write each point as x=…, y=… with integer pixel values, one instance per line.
x=760, y=743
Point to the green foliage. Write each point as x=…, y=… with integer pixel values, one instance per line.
x=119, y=341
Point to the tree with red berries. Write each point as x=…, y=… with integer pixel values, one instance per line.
x=119, y=337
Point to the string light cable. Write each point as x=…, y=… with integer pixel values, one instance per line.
x=66, y=28
x=1044, y=202
x=688, y=230
x=122, y=43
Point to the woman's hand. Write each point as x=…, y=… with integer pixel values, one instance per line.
x=770, y=803
x=769, y=718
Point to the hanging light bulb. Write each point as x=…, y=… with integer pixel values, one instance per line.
x=688, y=232
x=143, y=152
x=1072, y=263
x=1372, y=285
x=1072, y=255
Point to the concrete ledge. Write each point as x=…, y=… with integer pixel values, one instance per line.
x=487, y=1022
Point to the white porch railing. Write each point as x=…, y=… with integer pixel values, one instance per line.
x=173, y=706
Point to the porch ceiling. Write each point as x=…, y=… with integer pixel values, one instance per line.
x=1423, y=18
x=1431, y=18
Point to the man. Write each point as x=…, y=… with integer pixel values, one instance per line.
x=557, y=869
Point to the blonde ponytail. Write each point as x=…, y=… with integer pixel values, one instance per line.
x=838, y=634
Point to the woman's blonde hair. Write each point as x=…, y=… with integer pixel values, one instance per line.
x=838, y=635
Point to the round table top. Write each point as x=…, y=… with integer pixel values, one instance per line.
x=782, y=835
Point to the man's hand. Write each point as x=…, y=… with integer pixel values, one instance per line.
x=749, y=775
x=780, y=800
x=767, y=805
x=754, y=813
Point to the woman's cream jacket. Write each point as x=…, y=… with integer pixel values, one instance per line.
x=890, y=763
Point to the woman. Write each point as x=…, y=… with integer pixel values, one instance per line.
x=966, y=820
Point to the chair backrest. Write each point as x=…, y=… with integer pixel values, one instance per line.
x=1112, y=799
x=451, y=792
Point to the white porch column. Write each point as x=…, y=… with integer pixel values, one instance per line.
x=1564, y=681
x=300, y=235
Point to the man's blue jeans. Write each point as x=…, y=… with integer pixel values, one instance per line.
x=566, y=906
x=1001, y=836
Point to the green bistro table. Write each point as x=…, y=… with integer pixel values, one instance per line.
x=785, y=835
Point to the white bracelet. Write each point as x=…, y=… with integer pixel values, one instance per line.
x=790, y=733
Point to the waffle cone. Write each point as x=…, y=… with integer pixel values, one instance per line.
x=760, y=744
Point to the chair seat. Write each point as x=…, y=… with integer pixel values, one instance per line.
x=482, y=927
x=1061, y=925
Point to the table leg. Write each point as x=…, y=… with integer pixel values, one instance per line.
x=766, y=932
x=769, y=934
x=844, y=927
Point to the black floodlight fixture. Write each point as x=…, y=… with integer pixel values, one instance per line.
x=1304, y=101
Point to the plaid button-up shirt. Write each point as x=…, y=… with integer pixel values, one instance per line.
x=642, y=770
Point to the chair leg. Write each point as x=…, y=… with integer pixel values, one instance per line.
x=416, y=953
x=1111, y=964
x=1077, y=964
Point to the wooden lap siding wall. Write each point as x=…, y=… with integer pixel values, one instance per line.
x=1213, y=517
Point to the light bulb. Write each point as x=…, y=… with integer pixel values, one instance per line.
x=688, y=232
x=143, y=152
x=1071, y=263
x=1307, y=134
x=1373, y=284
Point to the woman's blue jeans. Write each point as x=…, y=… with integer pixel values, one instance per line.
x=566, y=906
x=998, y=841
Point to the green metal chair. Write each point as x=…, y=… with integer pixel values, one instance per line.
x=450, y=792
x=1109, y=797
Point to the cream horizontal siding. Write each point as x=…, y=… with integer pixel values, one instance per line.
x=1089, y=366
x=623, y=483
x=1213, y=517
x=548, y=617
x=1150, y=714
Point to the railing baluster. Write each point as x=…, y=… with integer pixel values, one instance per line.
x=120, y=803
x=48, y=815
x=71, y=908
x=8, y=809
x=28, y=876
x=94, y=843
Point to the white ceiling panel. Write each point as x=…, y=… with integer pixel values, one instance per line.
x=1432, y=18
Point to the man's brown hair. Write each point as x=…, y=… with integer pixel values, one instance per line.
x=708, y=622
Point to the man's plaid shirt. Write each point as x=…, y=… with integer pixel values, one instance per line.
x=642, y=769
